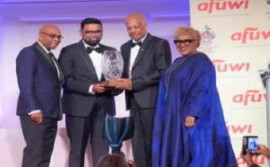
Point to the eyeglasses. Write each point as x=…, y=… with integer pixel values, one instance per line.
x=93, y=32
x=53, y=36
x=186, y=42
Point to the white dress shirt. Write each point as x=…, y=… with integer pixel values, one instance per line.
x=96, y=59
x=133, y=54
x=97, y=62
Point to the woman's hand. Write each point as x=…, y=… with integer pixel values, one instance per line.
x=190, y=121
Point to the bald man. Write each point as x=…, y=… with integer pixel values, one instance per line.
x=145, y=59
x=39, y=80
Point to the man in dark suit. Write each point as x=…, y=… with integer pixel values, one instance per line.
x=145, y=58
x=85, y=99
x=39, y=79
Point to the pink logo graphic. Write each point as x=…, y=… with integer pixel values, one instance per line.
x=223, y=66
x=250, y=96
x=250, y=34
x=221, y=5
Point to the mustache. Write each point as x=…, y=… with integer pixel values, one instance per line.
x=92, y=43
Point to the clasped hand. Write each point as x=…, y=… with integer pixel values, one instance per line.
x=121, y=84
x=99, y=87
x=117, y=84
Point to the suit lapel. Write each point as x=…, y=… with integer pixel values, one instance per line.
x=60, y=73
x=142, y=50
x=44, y=55
x=86, y=58
x=139, y=56
x=127, y=51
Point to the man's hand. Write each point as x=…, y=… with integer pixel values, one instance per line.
x=190, y=121
x=124, y=84
x=37, y=117
x=98, y=88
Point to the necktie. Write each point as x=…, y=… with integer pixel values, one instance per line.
x=52, y=58
x=136, y=43
x=58, y=69
x=90, y=49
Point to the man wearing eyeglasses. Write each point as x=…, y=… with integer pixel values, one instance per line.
x=39, y=78
x=85, y=99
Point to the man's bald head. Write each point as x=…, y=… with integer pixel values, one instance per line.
x=50, y=36
x=136, y=16
x=136, y=26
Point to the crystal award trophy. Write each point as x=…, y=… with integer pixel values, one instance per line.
x=112, y=67
x=116, y=130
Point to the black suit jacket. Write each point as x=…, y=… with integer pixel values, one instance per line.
x=254, y=165
x=79, y=74
x=153, y=58
x=38, y=82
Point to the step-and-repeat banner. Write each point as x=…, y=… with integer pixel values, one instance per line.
x=236, y=37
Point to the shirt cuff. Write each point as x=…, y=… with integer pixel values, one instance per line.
x=34, y=111
x=90, y=90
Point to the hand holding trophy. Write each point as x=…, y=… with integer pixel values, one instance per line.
x=112, y=68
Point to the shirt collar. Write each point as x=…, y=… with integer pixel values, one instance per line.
x=43, y=47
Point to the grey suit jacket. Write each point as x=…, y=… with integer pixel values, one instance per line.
x=153, y=58
x=79, y=75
